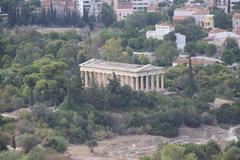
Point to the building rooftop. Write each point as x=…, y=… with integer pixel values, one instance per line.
x=102, y=64
x=217, y=30
x=63, y=3
x=125, y=5
x=195, y=9
x=198, y=60
x=180, y=18
x=236, y=16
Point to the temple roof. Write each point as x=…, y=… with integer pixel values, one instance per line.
x=102, y=64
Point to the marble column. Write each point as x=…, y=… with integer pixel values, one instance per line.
x=147, y=82
x=157, y=81
x=82, y=75
x=142, y=83
x=122, y=80
x=99, y=78
x=137, y=83
x=129, y=81
x=152, y=82
x=132, y=83
x=86, y=78
x=105, y=79
x=162, y=82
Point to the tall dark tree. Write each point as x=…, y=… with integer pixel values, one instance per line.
x=221, y=19
x=191, y=50
x=107, y=15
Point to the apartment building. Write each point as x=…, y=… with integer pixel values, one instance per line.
x=163, y=29
x=236, y=21
x=198, y=13
x=60, y=6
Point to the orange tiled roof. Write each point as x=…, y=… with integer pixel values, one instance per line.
x=202, y=11
x=179, y=18
x=63, y=3
x=127, y=5
x=217, y=30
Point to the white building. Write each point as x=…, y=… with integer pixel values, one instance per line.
x=138, y=77
x=219, y=36
x=92, y=7
x=163, y=29
x=160, y=31
x=180, y=41
x=140, y=5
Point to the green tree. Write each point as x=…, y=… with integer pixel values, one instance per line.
x=27, y=53
x=190, y=48
x=107, y=15
x=112, y=50
x=172, y=152
x=27, y=141
x=13, y=143
x=57, y=143
x=231, y=51
x=3, y=141
x=221, y=19
x=166, y=53
x=192, y=117
x=191, y=31
x=31, y=80
x=43, y=154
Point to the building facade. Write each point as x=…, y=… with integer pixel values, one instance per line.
x=91, y=7
x=207, y=21
x=60, y=6
x=160, y=31
x=236, y=21
x=138, y=77
x=124, y=10
x=222, y=4
x=180, y=41
x=198, y=13
x=163, y=29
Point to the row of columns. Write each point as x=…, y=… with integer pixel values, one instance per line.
x=144, y=82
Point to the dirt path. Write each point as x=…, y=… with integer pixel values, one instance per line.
x=134, y=146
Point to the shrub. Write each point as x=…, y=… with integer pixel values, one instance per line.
x=27, y=141
x=57, y=143
x=137, y=119
x=10, y=155
x=192, y=118
x=43, y=154
x=4, y=141
x=164, y=129
x=7, y=108
x=207, y=118
x=104, y=119
x=228, y=114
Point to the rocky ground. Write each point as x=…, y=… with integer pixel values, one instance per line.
x=134, y=146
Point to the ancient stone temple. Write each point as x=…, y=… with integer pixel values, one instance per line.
x=138, y=77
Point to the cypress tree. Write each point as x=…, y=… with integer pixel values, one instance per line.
x=13, y=144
